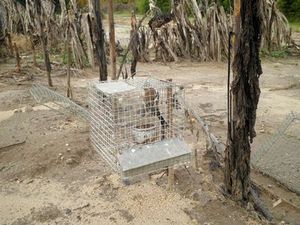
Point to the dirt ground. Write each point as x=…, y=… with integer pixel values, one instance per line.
x=52, y=175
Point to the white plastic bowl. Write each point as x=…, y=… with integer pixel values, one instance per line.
x=144, y=133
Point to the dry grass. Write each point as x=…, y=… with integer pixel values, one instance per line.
x=22, y=42
x=295, y=26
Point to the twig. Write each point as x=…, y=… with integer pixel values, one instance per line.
x=130, y=42
x=10, y=145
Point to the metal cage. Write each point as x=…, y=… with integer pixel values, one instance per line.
x=137, y=124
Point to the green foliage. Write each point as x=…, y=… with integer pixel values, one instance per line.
x=291, y=8
x=164, y=5
x=281, y=53
x=227, y=4
x=143, y=5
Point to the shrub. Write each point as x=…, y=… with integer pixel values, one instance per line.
x=227, y=4
x=291, y=8
x=143, y=5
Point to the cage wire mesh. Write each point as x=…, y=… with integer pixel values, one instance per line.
x=137, y=124
x=43, y=95
x=279, y=155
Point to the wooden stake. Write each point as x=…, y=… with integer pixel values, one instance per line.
x=196, y=164
x=171, y=178
x=10, y=45
x=69, y=89
x=18, y=58
x=33, y=51
x=170, y=110
x=88, y=31
x=171, y=172
x=134, y=46
x=130, y=43
x=112, y=39
x=47, y=59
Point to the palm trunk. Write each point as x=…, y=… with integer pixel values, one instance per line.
x=245, y=90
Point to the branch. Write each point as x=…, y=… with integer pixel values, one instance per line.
x=130, y=42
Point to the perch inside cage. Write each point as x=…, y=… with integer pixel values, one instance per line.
x=137, y=124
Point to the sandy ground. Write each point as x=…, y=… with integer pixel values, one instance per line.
x=53, y=176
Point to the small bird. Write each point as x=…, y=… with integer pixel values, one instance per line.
x=151, y=100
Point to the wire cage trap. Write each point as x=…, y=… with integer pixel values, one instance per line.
x=137, y=124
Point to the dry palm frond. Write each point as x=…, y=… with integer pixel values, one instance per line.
x=205, y=36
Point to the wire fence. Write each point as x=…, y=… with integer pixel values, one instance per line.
x=279, y=155
x=43, y=95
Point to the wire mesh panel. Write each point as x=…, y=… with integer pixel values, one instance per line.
x=279, y=156
x=130, y=114
x=43, y=95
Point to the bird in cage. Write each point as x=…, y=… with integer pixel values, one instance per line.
x=151, y=100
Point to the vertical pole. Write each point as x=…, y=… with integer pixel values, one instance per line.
x=43, y=39
x=171, y=171
x=112, y=40
x=10, y=45
x=134, y=38
x=69, y=89
x=47, y=59
x=18, y=58
x=171, y=178
x=100, y=42
x=33, y=50
x=196, y=164
x=170, y=110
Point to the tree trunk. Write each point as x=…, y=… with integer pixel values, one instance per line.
x=33, y=50
x=68, y=40
x=100, y=42
x=43, y=39
x=88, y=31
x=245, y=90
x=63, y=9
x=269, y=31
x=10, y=45
x=112, y=40
x=47, y=59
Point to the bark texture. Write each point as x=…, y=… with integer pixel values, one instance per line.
x=245, y=90
x=100, y=42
